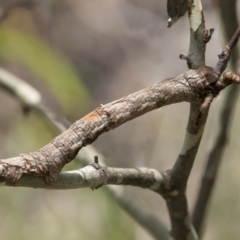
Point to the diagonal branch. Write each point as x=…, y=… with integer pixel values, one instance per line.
x=198, y=87
x=193, y=86
x=30, y=98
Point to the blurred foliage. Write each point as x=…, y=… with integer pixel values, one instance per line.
x=71, y=214
x=28, y=133
x=44, y=63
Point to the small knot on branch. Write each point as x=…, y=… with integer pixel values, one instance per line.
x=207, y=34
x=96, y=159
x=186, y=58
x=96, y=164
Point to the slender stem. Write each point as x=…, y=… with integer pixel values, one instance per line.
x=234, y=40
x=95, y=176
x=182, y=227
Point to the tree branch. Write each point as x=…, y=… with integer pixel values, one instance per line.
x=198, y=87
x=95, y=176
x=180, y=172
x=181, y=225
x=25, y=94
x=193, y=86
x=230, y=24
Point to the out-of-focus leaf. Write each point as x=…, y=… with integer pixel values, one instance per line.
x=175, y=9
x=44, y=63
x=22, y=135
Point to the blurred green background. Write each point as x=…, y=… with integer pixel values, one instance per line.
x=79, y=54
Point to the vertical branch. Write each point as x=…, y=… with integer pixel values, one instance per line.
x=196, y=121
x=197, y=47
x=230, y=24
x=181, y=224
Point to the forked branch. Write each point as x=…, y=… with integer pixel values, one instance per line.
x=227, y=12
x=181, y=225
x=198, y=86
x=47, y=162
x=30, y=99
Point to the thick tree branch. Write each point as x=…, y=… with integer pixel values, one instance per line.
x=25, y=94
x=198, y=86
x=193, y=86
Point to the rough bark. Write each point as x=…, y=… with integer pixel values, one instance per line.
x=30, y=99
x=193, y=86
x=181, y=224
